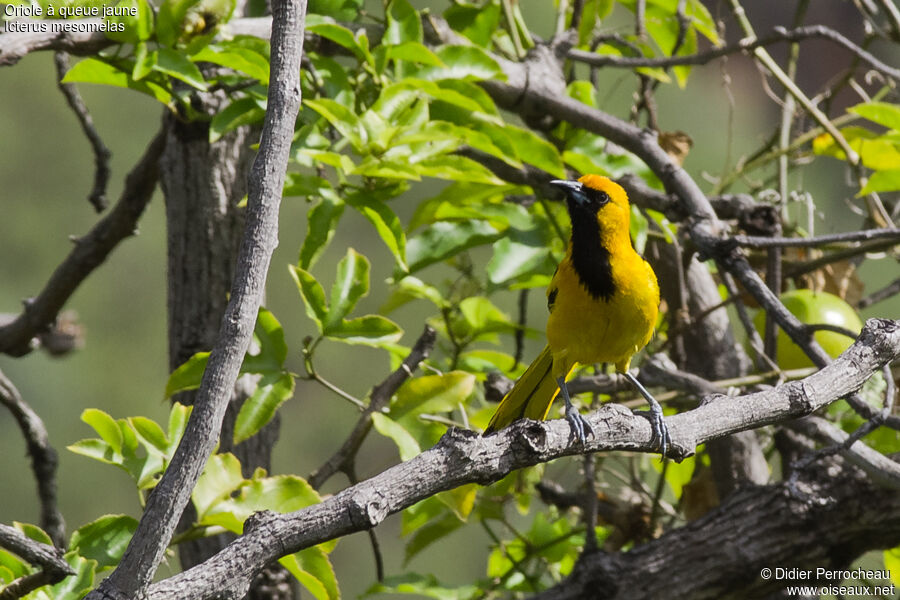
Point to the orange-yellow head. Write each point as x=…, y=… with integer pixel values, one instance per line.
x=597, y=199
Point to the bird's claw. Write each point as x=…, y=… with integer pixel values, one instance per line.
x=578, y=424
x=659, y=429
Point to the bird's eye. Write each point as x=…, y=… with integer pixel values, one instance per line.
x=598, y=197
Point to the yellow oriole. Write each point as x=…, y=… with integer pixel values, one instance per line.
x=603, y=302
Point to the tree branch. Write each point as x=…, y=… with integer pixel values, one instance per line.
x=378, y=400
x=97, y=197
x=778, y=35
x=463, y=457
x=750, y=241
x=53, y=567
x=167, y=501
x=43, y=459
x=833, y=514
x=89, y=253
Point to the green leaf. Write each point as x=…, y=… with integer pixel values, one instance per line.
x=313, y=295
x=372, y=330
x=413, y=51
x=454, y=167
x=703, y=21
x=237, y=58
x=273, y=349
x=12, y=567
x=455, y=90
x=220, y=478
x=892, y=564
x=883, y=113
x=169, y=20
x=385, y=221
x=104, y=539
x=280, y=493
x=301, y=184
x=342, y=10
x=882, y=181
x=536, y=151
x=403, y=24
x=105, y=426
x=321, y=225
x=442, y=240
x=462, y=62
x=243, y=111
x=638, y=229
x=406, y=444
x=143, y=61
x=78, y=585
x=341, y=36
x=342, y=119
x=180, y=67
x=478, y=23
x=150, y=433
x=96, y=449
x=480, y=319
x=432, y=394
x=350, y=284
x=33, y=532
x=312, y=568
x=187, y=376
x=679, y=475
x=271, y=392
x=334, y=159
x=92, y=70
x=410, y=288
x=135, y=28
x=519, y=255
x=178, y=418
x=485, y=361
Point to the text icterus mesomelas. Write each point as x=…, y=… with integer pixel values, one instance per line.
x=603, y=302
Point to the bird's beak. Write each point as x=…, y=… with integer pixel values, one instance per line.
x=573, y=189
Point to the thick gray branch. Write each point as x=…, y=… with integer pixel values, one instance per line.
x=168, y=499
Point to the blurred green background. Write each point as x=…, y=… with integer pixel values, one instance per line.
x=46, y=171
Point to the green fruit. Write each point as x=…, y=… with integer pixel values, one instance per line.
x=813, y=308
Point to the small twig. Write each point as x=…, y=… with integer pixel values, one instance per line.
x=328, y=385
x=752, y=241
x=54, y=568
x=378, y=400
x=756, y=342
x=798, y=269
x=881, y=468
x=778, y=34
x=44, y=459
x=883, y=294
x=97, y=197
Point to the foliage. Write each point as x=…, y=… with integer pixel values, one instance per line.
x=383, y=119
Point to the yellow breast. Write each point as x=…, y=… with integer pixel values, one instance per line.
x=585, y=329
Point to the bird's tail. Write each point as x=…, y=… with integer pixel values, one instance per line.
x=532, y=395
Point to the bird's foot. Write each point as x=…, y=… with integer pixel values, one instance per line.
x=578, y=424
x=661, y=438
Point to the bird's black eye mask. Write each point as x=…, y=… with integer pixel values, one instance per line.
x=588, y=199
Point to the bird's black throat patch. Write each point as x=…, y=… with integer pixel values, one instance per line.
x=590, y=258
